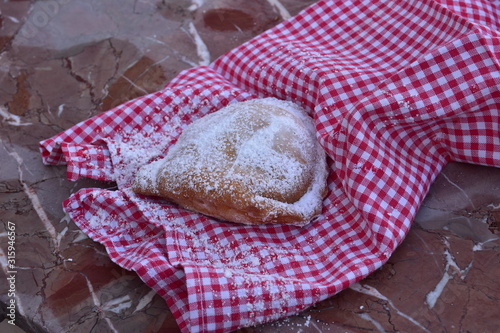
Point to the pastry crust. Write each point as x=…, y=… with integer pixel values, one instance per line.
x=251, y=162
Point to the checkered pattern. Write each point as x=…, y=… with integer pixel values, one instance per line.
x=396, y=90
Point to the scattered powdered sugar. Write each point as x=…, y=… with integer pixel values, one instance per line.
x=97, y=219
x=264, y=147
x=147, y=176
x=228, y=273
x=247, y=267
x=102, y=220
x=131, y=150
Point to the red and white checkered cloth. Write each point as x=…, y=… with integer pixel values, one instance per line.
x=397, y=89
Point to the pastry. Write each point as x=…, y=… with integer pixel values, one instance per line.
x=251, y=162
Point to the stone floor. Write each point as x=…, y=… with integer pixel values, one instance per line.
x=64, y=61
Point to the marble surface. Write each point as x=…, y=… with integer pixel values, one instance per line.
x=64, y=61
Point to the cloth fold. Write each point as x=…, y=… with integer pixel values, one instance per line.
x=396, y=90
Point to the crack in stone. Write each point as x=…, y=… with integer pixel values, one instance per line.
x=451, y=269
x=42, y=294
x=464, y=311
x=67, y=63
x=371, y=291
x=117, y=54
x=98, y=308
x=459, y=189
x=387, y=309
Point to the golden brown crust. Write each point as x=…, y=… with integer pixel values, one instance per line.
x=252, y=162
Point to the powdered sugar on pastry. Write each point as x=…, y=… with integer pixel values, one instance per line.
x=251, y=162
